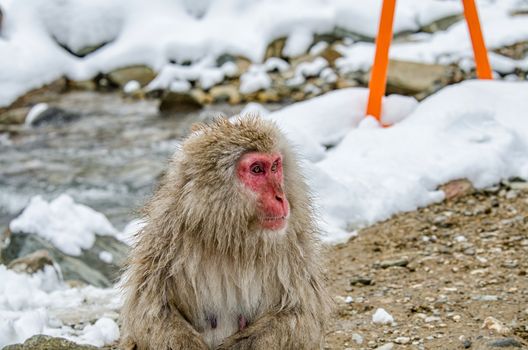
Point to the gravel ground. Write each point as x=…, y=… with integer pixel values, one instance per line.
x=452, y=275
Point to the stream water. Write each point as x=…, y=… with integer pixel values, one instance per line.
x=109, y=158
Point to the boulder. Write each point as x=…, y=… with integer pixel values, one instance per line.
x=44, y=342
x=409, y=78
x=87, y=267
x=187, y=101
x=141, y=74
x=14, y=116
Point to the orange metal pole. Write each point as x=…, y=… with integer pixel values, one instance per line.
x=378, y=75
x=477, y=40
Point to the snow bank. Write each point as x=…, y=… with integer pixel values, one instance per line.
x=71, y=227
x=36, y=304
x=158, y=32
x=360, y=175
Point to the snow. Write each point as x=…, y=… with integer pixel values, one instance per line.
x=361, y=173
x=42, y=304
x=71, y=227
x=131, y=87
x=106, y=257
x=34, y=112
x=382, y=317
x=169, y=35
x=254, y=79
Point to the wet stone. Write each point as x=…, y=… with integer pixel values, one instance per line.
x=505, y=343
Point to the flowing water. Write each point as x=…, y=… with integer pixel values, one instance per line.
x=109, y=158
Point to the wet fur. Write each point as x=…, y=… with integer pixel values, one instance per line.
x=202, y=255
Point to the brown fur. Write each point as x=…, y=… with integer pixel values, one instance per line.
x=202, y=255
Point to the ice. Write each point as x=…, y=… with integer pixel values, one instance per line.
x=71, y=227
x=382, y=317
x=105, y=256
x=34, y=112
x=131, y=87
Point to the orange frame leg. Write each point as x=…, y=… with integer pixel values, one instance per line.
x=378, y=75
x=477, y=40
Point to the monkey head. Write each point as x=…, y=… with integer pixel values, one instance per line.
x=262, y=174
x=239, y=174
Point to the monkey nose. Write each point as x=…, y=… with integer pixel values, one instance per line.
x=279, y=198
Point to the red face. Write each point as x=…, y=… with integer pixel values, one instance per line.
x=262, y=174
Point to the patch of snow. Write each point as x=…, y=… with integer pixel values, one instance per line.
x=69, y=226
x=180, y=86
x=131, y=87
x=276, y=64
x=34, y=112
x=318, y=48
x=42, y=304
x=254, y=79
x=311, y=69
x=106, y=257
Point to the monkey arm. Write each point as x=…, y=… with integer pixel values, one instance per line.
x=285, y=329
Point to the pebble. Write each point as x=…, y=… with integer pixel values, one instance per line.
x=485, y=298
x=402, y=262
x=357, y=338
x=402, y=340
x=388, y=346
x=362, y=280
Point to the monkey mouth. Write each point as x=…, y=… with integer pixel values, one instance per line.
x=274, y=222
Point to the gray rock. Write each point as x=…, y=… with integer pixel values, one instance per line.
x=87, y=267
x=504, y=343
x=441, y=24
x=44, y=342
x=54, y=116
x=401, y=262
x=14, y=116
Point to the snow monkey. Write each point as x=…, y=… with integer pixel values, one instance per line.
x=228, y=258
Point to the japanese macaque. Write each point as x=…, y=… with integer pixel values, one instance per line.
x=229, y=257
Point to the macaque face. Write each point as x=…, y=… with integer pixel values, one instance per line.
x=262, y=174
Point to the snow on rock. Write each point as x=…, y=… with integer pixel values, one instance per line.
x=382, y=317
x=361, y=173
x=71, y=227
x=42, y=304
x=158, y=33
x=254, y=79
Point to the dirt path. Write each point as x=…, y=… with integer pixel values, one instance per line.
x=440, y=272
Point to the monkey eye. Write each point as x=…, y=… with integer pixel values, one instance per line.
x=274, y=166
x=256, y=169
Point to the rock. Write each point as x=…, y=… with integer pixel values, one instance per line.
x=44, y=342
x=182, y=101
x=50, y=116
x=242, y=64
x=412, y=77
x=402, y=340
x=331, y=55
x=86, y=267
x=227, y=93
x=14, y=116
x=466, y=343
x=267, y=96
x=141, y=74
x=275, y=48
x=357, y=338
x=493, y=324
x=401, y=262
x=31, y=263
x=441, y=24
x=362, y=280
x=84, y=85
x=388, y=346
x=45, y=93
x=504, y=343
x=343, y=83
x=457, y=188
